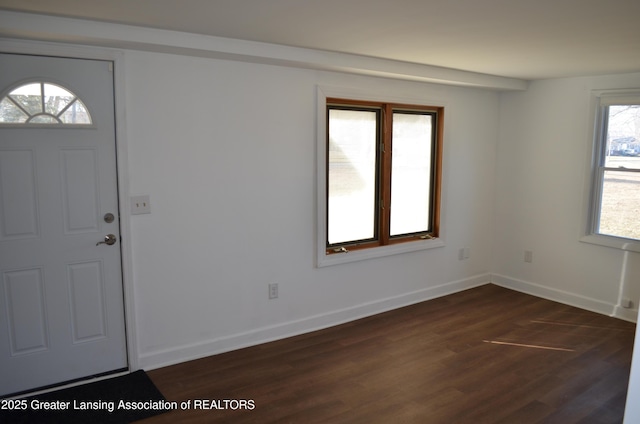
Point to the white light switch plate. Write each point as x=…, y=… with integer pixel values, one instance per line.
x=140, y=205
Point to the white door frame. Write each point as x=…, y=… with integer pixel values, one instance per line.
x=122, y=164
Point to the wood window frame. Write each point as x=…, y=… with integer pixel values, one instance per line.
x=384, y=163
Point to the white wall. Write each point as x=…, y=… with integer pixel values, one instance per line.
x=542, y=188
x=226, y=151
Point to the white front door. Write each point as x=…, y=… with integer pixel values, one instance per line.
x=61, y=295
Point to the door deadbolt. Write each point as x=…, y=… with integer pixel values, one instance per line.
x=109, y=239
x=109, y=218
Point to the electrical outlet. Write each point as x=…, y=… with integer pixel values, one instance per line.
x=273, y=291
x=464, y=253
x=528, y=256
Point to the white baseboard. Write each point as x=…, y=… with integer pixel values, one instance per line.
x=205, y=348
x=627, y=314
x=567, y=298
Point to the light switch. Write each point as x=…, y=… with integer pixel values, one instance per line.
x=140, y=205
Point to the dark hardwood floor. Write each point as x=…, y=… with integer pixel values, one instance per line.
x=485, y=355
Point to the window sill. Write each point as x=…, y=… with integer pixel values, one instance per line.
x=613, y=242
x=376, y=252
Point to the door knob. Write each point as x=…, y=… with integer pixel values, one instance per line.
x=108, y=239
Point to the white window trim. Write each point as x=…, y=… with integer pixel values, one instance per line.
x=600, y=99
x=323, y=260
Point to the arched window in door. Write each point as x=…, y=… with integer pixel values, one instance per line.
x=43, y=103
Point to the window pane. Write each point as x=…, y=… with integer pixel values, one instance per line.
x=29, y=97
x=620, y=208
x=623, y=137
x=56, y=99
x=352, y=175
x=43, y=119
x=10, y=113
x=410, y=173
x=76, y=114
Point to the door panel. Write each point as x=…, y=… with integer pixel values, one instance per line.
x=79, y=190
x=86, y=289
x=18, y=204
x=24, y=291
x=61, y=301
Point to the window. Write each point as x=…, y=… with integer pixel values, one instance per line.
x=42, y=103
x=382, y=174
x=615, y=204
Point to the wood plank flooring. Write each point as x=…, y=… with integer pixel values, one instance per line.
x=485, y=355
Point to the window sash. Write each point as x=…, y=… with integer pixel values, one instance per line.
x=353, y=182
x=414, y=165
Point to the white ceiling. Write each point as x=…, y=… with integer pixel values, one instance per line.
x=530, y=39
